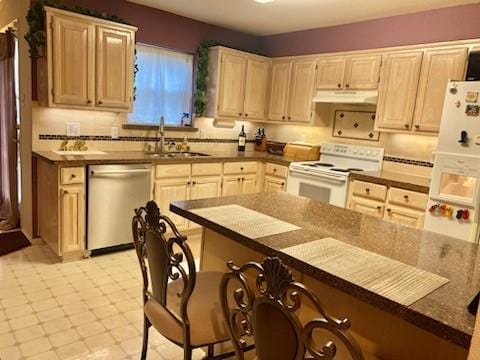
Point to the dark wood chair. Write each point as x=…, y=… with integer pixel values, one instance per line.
x=267, y=309
x=182, y=305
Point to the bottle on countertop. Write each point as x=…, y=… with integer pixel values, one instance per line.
x=242, y=139
x=260, y=140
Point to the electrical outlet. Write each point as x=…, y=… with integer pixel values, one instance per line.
x=477, y=139
x=73, y=129
x=114, y=132
x=203, y=133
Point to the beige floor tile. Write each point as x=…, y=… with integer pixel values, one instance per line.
x=49, y=355
x=50, y=314
x=11, y=292
x=127, y=305
x=90, y=329
x=23, y=322
x=18, y=311
x=82, y=318
x=10, y=353
x=68, y=298
x=125, y=333
x=114, y=352
x=115, y=321
x=97, y=301
x=64, y=337
x=7, y=340
x=100, y=341
x=110, y=288
x=14, y=301
x=39, y=295
x=43, y=305
x=62, y=290
x=34, y=287
x=74, y=350
x=29, y=333
x=36, y=346
x=90, y=293
x=56, y=325
x=132, y=346
x=105, y=311
x=75, y=308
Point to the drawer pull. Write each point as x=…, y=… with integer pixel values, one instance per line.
x=283, y=184
x=389, y=210
x=274, y=169
x=238, y=179
x=405, y=197
x=89, y=101
x=65, y=192
x=379, y=208
x=73, y=176
x=339, y=85
x=406, y=126
x=417, y=126
x=241, y=169
x=367, y=190
x=194, y=183
x=243, y=179
x=188, y=183
x=100, y=102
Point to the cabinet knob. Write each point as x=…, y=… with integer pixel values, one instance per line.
x=283, y=117
x=238, y=179
x=89, y=101
x=65, y=192
x=347, y=85
x=73, y=176
x=243, y=179
x=246, y=115
x=407, y=126
x=241, y=169
x=239, y=114
x=405, y=197
x=389, y=210
x=367, y=190
x=274, y=169
x=99, y=102
x=289, y=118
x=194, y=182
x=417, y=126
x=188, y=183
x=379, y=208
x=339, y=85
x=283, y=184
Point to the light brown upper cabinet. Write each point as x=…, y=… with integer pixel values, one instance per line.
x=114, y=65
x=330, y=73
x=356, y=72
x=398, y=90
x=89, y=63
x=438, y=67
x=291, y=90
x=237, y=84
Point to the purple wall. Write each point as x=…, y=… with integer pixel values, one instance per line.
x=454, y=23
x=157, y=27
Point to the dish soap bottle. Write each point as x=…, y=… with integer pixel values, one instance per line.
x=242, y=139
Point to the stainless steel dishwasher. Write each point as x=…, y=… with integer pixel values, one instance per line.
x=114, y=191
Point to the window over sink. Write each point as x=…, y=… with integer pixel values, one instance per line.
x=164, y=87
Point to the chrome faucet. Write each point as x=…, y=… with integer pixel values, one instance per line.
x=159, y=148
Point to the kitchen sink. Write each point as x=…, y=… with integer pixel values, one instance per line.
x=174, y=155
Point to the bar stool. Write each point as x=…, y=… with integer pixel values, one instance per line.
x=183, y=305
x=267, y=308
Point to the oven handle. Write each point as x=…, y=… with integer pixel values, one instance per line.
x=320, y=176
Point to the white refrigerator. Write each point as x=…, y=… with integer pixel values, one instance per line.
x=453, y=207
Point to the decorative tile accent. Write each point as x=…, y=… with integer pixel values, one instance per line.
x=55, y=322
x=355, y=125
x=134, y=138
x=408, y=161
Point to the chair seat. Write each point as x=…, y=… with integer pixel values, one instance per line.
x=206, y=319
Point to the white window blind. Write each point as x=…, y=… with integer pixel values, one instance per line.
x=164, y=86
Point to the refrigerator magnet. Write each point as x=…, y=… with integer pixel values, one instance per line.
x=472, y=97
x=472, y=110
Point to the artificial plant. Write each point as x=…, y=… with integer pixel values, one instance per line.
x=201, y=76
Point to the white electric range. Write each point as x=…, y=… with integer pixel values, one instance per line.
x=326, y=180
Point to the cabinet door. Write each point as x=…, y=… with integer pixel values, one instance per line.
x=398, y=90
x=249, y=184
x=73, y=61
x=231, y=85
x=273, y=184
x=330, y=72
x=114, y=68
x=203, y=188
x=366, y=206
x=72, y=218
x=363, y=72
x=170, y=190
x=232, y=185
x=405, y=216
x=438, y=67
x=301, y=91
x=279, y=86
x=256, y=89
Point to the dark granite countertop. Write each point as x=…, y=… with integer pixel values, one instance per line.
x=442, y=312
x=132, y=157
x=394, y=179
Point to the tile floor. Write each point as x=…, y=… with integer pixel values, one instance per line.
x=90, y=309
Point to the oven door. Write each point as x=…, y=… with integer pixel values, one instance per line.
x=329, y=189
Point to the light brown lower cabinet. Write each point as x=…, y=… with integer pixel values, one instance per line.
x=239, y=184
x=274, y=184
x=61, y=209
x=400, y=206
x=166, y=191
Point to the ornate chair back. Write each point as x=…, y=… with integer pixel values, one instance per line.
x=266, y=309
x=166, y=259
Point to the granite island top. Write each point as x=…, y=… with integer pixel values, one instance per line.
x=133, y=157
x=394, y=179
x=443, y=312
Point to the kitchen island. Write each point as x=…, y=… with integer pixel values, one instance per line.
x=437, y=326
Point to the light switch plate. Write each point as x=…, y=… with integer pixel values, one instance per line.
x=73, y=129
x=114, y=132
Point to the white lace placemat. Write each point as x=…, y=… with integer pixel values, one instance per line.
x=389, y=278
x=247, y=222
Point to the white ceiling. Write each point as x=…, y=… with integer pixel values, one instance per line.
x=282, y=16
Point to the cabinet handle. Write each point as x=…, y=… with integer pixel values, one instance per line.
x=238, y=179
x=417, y=126
x=379, y=208
x=188, y=183
x=289, y=118
x=243, y=179
x=274, y=169
x=339, y=85
x=241, y=169
x=407, y=126
x=389, y=210
x=194, y=182
x=347, y=85
x=246, y=115
x=367, y=190
x=99, y=102
x=73, y=176
x=405, y=197
x=89, y=101
x=283, y=184
x=65, y=192
x=239, y=114
x=283, y=117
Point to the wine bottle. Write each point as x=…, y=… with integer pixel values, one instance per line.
x=242, y=139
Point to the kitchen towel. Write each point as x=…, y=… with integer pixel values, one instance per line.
x=248, y=222
x=389, y=278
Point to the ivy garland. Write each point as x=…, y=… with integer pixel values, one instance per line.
x=201, y=76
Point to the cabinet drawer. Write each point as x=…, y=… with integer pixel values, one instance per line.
x=408, y=198
x=276, y=170
x=366, y=206
x=73, y=175
x=369, y=190
x=206, y=169
x=172, y=171
x=240, y=167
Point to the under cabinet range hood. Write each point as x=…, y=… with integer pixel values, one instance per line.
x=367, y=97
